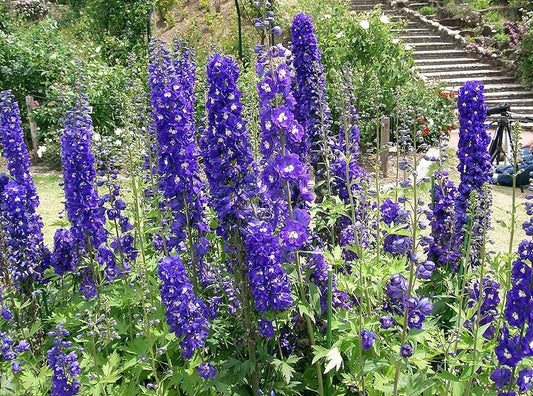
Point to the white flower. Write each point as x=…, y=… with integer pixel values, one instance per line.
x=384, y=19
x=96, y=137
x=408, y=47
x=119, y=132
x=327, y=16
x=395, y=40
x=339, y=35
x=364, y=24
x=40, y=151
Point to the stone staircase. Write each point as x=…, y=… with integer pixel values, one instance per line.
x=440, y=61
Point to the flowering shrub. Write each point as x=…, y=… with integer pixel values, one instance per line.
x=29, y=9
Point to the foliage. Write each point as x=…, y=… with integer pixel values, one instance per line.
x=29, y=9
x=525, y=53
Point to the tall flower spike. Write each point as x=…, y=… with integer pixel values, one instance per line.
x=284, y=143
x=443, y=250
x=180, y=180
x=268, y=280
x=64, y=365
x=22, y=226
x=79, y=175
x=186, y=313
x=311, y=109
x=229, y=164
x=474, y=158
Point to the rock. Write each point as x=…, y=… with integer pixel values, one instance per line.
x=487, y=30
x=400, y=3
x=466, y=33
x=485, y=41
x=502, y=45
x=455, y=22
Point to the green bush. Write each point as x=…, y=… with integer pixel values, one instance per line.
x=525, y=53
x=40, y=60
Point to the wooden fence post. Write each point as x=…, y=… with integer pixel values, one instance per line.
x=384, y=140
x=33, y=125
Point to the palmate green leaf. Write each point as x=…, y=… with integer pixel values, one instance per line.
x=286, y=367
x=333, y=360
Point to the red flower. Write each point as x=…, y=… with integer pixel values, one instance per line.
x=35, y=103
x=452, y=94
x=425, y=131
x=449, y=128
x=421, y=120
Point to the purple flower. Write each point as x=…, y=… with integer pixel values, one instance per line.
x=425, y=306
x=367, y=339
x=406, y=350
x=425, y=269
x=21, y=225
x=507, y=350
x=501, y=377
x=65, y=255
x=474, y=158
x=489, y=306
x=206, y=370
x=415, y=319
x=386, y=322
x=293, y=235
x=64, y=365
x=15, y=366
x=524, y=379
x=266, y=328
x=179, y=172
x=79, y=175
x=397, y=287
x=228, y=158
x=6, y=314
x=185, y=313
x=392, y=215
x=311, y=110
x=268, y=280
x=443, y=251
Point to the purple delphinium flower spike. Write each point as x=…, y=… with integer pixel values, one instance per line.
x=22, y=226
x=311, y=109
x=228, y=158
x=489, y=307
x=268, y=280
x=180, y=180
x=443, y=251
x=393, y=216
x=64, y=365
x=474, y=158
x=186, y=314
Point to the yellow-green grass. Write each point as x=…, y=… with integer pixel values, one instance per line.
x=51, y=197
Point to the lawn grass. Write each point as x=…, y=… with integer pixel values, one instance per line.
x=51, y=197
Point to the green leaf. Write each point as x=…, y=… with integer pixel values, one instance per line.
x=334, y=360
x=287, y=371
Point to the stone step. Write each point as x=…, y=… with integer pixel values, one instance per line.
x=516, y=103
x=413, y=30
x=507, y=94
x=483, y=73
x=438, y=53
x=449, y=67
x=453, y=81
x=443, y=61
x=496, y=87
x=436, y=45
x=415, y=38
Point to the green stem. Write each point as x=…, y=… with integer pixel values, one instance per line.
x=480, y=303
